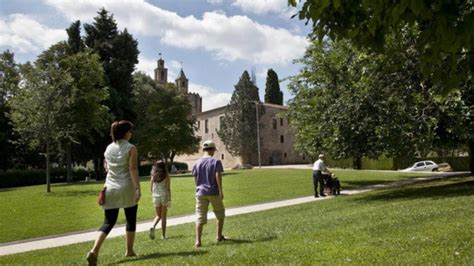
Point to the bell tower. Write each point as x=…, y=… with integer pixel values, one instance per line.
x=161, y=72
x=182, y=82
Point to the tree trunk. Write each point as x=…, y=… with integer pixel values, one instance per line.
x=48, y=169
x=69, y=163
x=471, y=155
x=99, y=169
x=358, y=163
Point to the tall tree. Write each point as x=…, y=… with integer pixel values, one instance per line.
x=58, y=101
x=118, y=54
x=8, y=86
x=74, y=41
x=334, y=109
x=273, y=94
x=165, y=126
x=239, y=125
x=445, y=42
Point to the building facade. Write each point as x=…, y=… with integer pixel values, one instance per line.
x=276, y=145
x=277, y=139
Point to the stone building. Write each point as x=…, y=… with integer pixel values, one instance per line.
x=277, y=139
x=276, y=146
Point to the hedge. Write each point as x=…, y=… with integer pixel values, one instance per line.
x=21, y=178
x=456, y=163
x=145, y=169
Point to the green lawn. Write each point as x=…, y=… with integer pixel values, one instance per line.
x=426, y=223
x=29, y=212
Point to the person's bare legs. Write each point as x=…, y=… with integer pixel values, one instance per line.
x=163, y=221
x=98, y=243
x=199, y=228
x=220, y=227
x=158, y=211
x=130, y=240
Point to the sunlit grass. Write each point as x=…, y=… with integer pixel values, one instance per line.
x=29, y=212
x=427, y=223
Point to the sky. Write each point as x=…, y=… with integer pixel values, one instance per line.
x=213, y=41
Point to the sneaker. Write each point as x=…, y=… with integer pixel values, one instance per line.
x=152, y=233
x=164, y=237
x=322, y=195
x=91, y=259
x=316, y=195
x=222, y=238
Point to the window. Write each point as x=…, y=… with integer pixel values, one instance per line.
x=282, y=139
x=284, y=155
x=162, y=75
x=206, y=126
x=304, y=157
x=420, y=164
x=222, y=156
x=274, y=123
x=281, y=121
x=429, y=163
x=199, y=124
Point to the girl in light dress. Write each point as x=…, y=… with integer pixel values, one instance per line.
x=161, y=195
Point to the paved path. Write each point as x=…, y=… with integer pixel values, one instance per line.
x=84, y=236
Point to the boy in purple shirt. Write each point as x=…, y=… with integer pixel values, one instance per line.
x=207, y=174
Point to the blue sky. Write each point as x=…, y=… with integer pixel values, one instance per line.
x=216, y=40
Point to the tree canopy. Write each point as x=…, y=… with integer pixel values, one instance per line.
x=273, y=94
x=446, y=31
x=238, y=128
x=165, y=126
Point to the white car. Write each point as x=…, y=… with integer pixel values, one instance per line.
x=423, y=166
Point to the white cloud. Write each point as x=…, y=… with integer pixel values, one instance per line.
x=23, y=34
x=214, y=2
x=226, y=38
x=211, y=98
x=262, y=6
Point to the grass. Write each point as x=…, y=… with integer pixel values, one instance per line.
x=73, y=207
x=426, y=223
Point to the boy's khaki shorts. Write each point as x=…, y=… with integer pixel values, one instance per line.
x=202, y=205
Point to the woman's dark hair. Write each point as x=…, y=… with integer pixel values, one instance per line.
x=159, y=172
x=119, y=129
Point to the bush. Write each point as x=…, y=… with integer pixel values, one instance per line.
x=21, y=178
x=145, y=169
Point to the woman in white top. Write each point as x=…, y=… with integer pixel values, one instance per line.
x=122, y=187
x=161, y=194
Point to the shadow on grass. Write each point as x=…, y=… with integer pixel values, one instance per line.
x=162, y=255
x=236, y=241
x=457, y=189
x=78, y=193
x=364, y=183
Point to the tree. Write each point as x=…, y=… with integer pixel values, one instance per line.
x=165, y=126
x=58, y=101
x=239, y=126
x=335, y=108
x=445, y=39
x=8, y=86
x=118, y=54
x=74, y=41
x=273, y=94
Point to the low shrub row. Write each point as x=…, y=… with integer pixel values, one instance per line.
x=456, y=163
x=145, y=169
x=21, y=178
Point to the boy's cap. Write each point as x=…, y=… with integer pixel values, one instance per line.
x=208, y=144
x=321, y=155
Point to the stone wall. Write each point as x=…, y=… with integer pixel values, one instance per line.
x=276, y=139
